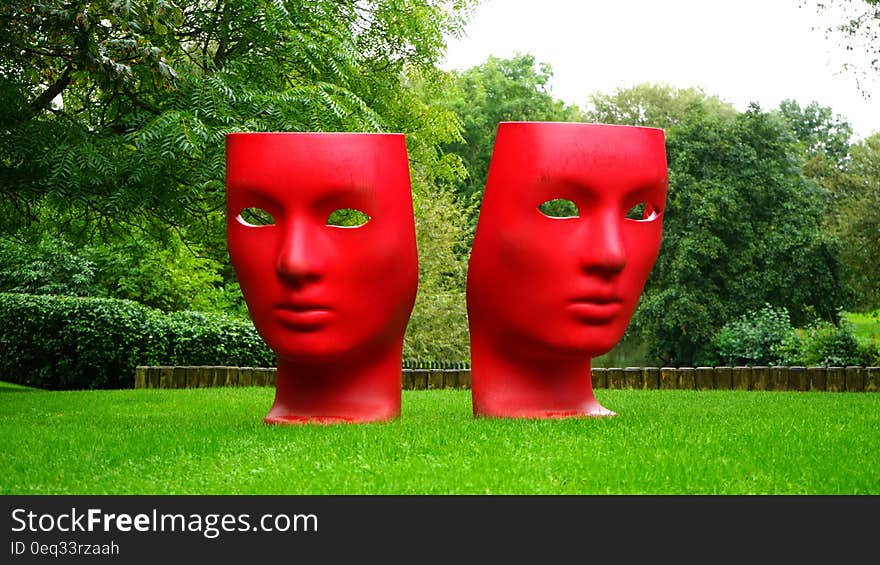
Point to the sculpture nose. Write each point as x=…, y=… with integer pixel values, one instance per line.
x=300, y=259
x=604, y=252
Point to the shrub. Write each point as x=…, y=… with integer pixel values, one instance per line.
x=202, y=338
x=68, y=342
x=830, y=345
x=869, y=353
x=764, y=337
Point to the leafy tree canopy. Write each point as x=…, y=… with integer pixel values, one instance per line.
x=515, y=89
x=742, y=228
x=818, y=129
x=854, y=216
x=653, y=105
x=118, y=110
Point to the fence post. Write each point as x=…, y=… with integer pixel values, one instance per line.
x=632, y=377
x=206, y=376
x=668, y=378
x=778, y=378
x=723, y=378
x=421, y=379
x=854, y=379
x=797, y=378
x=406, y=379
x=872, y=379
x=450, y=378
x=816, y=379
x=166, y=376
x=178, y=378
x=741, y=377
x=245, y=376
x=704, y=378
x=598, y=376
x=687, y=378
x=834, y=379
x=651, y=377
x=464, y=379
x=435, y=379
x=760, y=378
x=616, y=379
x=140, y=377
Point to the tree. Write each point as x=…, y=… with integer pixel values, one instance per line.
x=858, y=30
x=144, y=92
x=653, y=105
x=742, y=228
x=818, y=130
x=114, y=116
x=854, y=217
x=515, y=89
x=438, y=328
x=148, y=90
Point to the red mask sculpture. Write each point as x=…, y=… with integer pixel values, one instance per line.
x=547, y=294
x=331, y=279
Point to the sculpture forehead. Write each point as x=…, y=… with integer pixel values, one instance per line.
x=592, y=155
x=314, y=163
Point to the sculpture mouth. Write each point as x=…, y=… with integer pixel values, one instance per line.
x=302, y=316
x=595, y=309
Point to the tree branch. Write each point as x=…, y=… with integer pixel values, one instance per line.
x=42, y=101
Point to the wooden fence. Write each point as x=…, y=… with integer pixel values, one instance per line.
x=806, y=379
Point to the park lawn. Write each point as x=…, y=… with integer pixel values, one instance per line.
x=13, y=387
x=213, y=441
x=866, y=325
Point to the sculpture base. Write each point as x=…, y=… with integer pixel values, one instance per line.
x=597, y=412
x=320, y=420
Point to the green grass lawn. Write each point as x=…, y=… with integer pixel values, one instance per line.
x=12, y=387
x=866, y=326
x=212, y=441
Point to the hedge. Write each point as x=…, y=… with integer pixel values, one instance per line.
x=68, y=342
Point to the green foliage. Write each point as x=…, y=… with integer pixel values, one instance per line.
x=766, y=337
x=559, y=208
x=128, y=162
x=165, y=275
x=818, y=130
x=50, y=266
x=653, y=105
x=763, y=337
x=66, y=342
x=742, y=228
x=832, y=345
x=438, y=327
x=515, y=89
x=866, y=325
x=202, y=338
x=854, y=216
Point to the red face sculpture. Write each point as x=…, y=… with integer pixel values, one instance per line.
x=548, y=289
x=321, y=235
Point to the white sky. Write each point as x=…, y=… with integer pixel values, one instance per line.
x=740, y=50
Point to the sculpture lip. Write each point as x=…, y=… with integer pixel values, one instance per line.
x=301, y=315
x=600, y=299
x=301, y=306
x=598, y=309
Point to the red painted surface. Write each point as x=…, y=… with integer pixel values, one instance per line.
x=332, y=302
x=545, y=295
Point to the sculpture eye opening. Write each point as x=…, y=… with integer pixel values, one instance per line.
x=256, y=217
x=347, y=218
x=559, y=208
x=642, y=212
